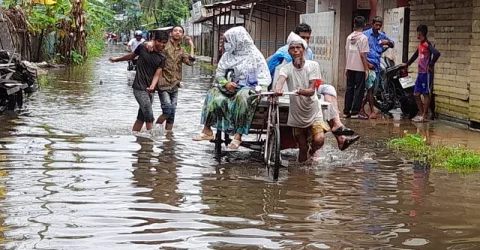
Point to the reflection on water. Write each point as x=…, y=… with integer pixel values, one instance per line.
x=74, y=178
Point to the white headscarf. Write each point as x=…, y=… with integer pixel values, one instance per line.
x=296, y=39
x=243, y=55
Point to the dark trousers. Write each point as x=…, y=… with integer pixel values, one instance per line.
x=355, y=92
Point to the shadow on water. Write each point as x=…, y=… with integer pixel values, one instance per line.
x=75, y=178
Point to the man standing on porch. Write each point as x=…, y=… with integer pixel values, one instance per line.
x=376, y=41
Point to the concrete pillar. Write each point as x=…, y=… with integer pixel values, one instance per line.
x=344, y=26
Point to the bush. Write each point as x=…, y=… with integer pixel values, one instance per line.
x=95, y=47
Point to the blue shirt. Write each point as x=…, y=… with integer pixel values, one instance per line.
x=282, y=54
x=376, y=49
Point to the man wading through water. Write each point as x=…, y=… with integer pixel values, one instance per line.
x=305, y=115
x=176, y=56
x=149, y=71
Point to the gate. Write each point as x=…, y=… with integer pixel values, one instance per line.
x=321, y=41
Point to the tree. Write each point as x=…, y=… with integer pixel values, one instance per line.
x=74, y=22
x=165, y=12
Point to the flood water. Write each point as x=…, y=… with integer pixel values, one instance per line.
x=73, y=177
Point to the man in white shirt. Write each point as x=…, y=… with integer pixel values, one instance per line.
x=305, y=115
x=132, y=46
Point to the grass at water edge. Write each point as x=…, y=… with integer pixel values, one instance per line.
x=454, y=159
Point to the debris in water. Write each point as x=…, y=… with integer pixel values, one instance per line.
x=16, y=77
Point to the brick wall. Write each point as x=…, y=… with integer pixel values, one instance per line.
x=474, y=110
x=450, y=29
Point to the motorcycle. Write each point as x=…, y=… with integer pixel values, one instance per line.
x=395, y=89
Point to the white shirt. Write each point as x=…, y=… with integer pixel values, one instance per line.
x=304, y=111
x=134, y=43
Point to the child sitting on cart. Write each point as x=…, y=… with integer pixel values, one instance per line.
x=305, y=114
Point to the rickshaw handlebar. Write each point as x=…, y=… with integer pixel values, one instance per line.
x=273, y=93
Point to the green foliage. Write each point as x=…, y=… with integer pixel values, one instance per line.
x=456, y=159
x=172, y=13
x=99, y=16
x=95, y=47
x=131, y=12
x=76, y=57
x=147, y=14
x=57, y=18
x=207, y=66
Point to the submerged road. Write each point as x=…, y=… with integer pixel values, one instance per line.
x=73, y=177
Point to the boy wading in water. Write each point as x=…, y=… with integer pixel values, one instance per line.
x=305, y=115
x=356, y=70
x=176, y=56
x=149, y=71
x=427, y=57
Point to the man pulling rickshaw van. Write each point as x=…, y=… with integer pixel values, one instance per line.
x=344, y=136
x=132, y=46
x=305, y=114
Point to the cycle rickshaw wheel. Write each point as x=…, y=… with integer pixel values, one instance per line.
x=273, y=147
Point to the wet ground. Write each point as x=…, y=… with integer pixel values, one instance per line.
x=73, y=177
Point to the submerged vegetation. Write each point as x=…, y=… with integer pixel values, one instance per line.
x=455, y=159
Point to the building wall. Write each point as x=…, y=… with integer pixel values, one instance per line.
x=450, y=29
x=474, y=101
x=343, y=27
x=270, y=30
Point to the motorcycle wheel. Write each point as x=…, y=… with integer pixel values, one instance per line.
x=409, y=106
x=382, y=104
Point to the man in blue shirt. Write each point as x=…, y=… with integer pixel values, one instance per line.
x=377, y=40
x=345, y=136
x=304, y=31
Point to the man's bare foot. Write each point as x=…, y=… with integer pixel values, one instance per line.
x=373, y=116
x=207, y=131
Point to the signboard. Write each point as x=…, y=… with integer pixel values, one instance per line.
x=394, y=27
x=321, y=41
x=197, y=10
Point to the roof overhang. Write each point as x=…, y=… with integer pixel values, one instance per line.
x=162, y=29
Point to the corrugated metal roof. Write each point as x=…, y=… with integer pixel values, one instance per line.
x=163, y=29
x=228, y=3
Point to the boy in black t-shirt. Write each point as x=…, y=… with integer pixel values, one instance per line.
x=149, y=71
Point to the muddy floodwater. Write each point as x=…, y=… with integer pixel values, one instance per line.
x=73, y=177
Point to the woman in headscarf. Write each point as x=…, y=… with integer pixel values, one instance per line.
x=232, y=105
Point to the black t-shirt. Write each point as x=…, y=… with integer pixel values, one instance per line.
x=147, y=64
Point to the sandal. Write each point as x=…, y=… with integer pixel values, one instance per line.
x=349, y=141
x=359, y=117
x=418, y=119
x=204, y=137
x=347, y=116
x=235, y=144
x=343, y=131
